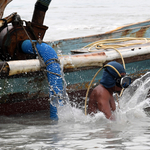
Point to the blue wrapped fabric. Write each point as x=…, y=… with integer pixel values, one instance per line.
x=107, y=80
x=49, y=55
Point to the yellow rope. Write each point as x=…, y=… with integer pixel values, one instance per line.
x=105, y=44
x=114, y=69
x=89, y=88
x=100, y=45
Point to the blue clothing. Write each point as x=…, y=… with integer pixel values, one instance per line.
x=107, y=80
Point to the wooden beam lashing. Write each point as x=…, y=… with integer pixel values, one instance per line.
x=4, y=69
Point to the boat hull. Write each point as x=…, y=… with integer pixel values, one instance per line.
x=29, y=92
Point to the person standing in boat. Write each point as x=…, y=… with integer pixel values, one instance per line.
x=113, y=80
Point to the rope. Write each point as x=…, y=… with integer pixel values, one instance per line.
x=106, y=44
x=2, y=66
x=114, y=69
x=89, y=88
x=53, y=73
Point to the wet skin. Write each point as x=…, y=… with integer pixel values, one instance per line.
x=101, y=99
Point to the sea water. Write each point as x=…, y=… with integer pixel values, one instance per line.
x=75, y=18
x=74, y=130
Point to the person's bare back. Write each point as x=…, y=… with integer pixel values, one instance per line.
x=102, y=99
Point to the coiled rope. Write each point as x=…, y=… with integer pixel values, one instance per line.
x=106, y=44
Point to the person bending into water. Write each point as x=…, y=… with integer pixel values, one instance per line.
x=113, y=80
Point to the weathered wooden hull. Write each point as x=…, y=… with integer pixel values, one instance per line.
x=141, y=29
x=27, y=90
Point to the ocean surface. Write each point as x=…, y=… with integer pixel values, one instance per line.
x=74, y=130
x=75, y=18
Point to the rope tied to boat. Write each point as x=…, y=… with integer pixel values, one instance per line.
x=42, y=64
x=2, y=67
x=54, y=61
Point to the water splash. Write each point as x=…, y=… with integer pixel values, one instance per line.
x=134, y=100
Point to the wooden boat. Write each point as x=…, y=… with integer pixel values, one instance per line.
x=23, y=85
